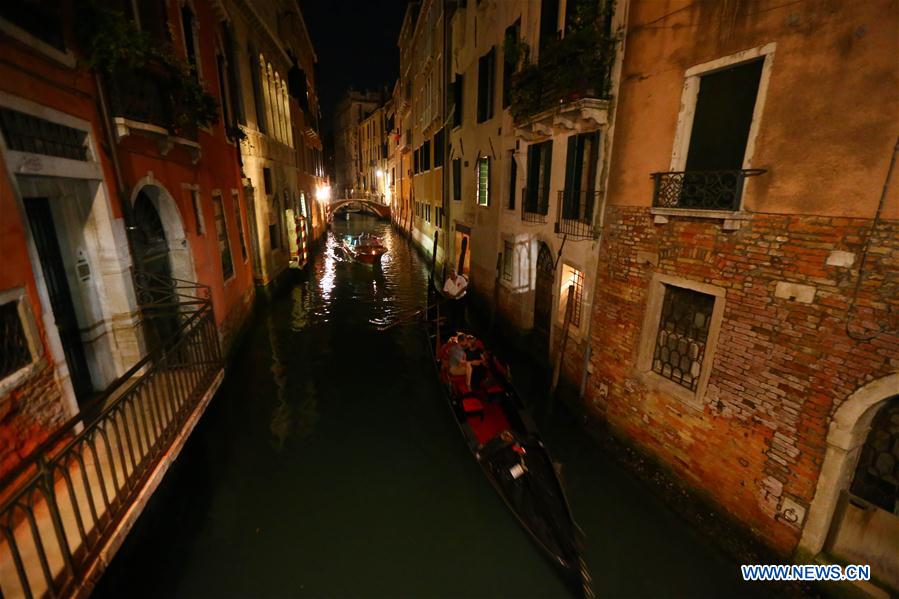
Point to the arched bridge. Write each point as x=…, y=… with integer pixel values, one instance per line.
x=373, y=206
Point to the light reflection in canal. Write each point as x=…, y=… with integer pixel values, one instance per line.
x=329, y=465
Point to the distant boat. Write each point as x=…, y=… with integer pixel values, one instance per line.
x=367, y=249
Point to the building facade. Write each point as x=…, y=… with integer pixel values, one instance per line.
x=348, y=113
x=278, y=115
x=114, y=177
x=744, y=326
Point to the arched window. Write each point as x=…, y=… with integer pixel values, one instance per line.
x=287, y=124
x=258, y=97
x=267, y=94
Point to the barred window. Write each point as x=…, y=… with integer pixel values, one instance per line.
x=877, y=474
x=26, y=133
x=239, y=223
x=15, y=353
x=572, y=278
x=682, y=336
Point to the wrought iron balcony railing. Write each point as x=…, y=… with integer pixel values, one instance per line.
x=701, y=190
x=576, y=208
x=534, y=205
x=61, y=505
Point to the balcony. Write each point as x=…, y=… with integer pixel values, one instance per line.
x=145, y=102
x=576, y=209
x=534, y=206
x=67, y=506
x=567, y=89
x=701, y=191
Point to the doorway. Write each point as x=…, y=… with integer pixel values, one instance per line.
x=53, y=268
x=543, y=299
x=155, y=287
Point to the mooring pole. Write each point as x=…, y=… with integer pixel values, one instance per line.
x=557, y=369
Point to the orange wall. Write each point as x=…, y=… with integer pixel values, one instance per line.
x=830, y=118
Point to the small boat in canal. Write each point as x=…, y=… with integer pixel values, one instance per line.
x=502, y=437
x=366, y=248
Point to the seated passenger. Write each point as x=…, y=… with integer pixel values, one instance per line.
x=474, y=355
x=456, y=364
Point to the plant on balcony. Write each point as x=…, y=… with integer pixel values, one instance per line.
x=567, y=69
x=113, y=45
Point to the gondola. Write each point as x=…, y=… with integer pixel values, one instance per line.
x=502, y=437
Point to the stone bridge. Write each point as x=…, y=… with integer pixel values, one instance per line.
x=373, y=206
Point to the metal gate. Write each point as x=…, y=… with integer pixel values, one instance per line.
x=543, y=299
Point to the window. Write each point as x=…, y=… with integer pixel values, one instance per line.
x=458, y=95
x=237, y=108
x=580, y=177
x=486, y=78
x=549, y=21
x=40, y=18
x=536, y=200
x=439, y=220
x=221, y=229
x=572, y=282
x=510, y=61
x=227, y=114
x=513, y=179
x=198, y=212
x=507, y=260
x=15, y=351
x=426, y=156
x=457, y=179
x=682, y=335
x=483, y=172
x=188, y=27
x=415, y=161
x=258, y=105
x=267, y=180
x=243, y=244
x=26, y=133
x=715, y=133
x=438, y=148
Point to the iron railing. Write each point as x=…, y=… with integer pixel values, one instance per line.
x=534, y=205
x=576, y=213
x=701, y=190
x=62, y=504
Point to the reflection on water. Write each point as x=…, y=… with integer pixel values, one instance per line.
x=329, y=465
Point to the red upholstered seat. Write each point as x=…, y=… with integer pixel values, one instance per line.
x=459, y=385
x=472, y=404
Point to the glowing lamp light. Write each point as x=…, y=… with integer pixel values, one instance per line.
x=379, y=173
x=323, y=193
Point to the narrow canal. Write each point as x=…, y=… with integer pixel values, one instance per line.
x=328, y=465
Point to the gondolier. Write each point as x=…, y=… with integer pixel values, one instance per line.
x=455, y=287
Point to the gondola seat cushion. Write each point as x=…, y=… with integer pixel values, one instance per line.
x=473, y=406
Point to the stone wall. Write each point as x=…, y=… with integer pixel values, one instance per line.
x=28, y=415
x=792, y=346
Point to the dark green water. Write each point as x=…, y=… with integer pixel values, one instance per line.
x=329, y=465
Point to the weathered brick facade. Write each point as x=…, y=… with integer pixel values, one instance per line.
x=28, y=415
x=782, y=366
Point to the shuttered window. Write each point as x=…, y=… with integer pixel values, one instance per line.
x=457, y=179
x=486, y=78
x=221, y=229
x=483, y=181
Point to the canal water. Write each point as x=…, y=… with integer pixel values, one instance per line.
x=329, y=465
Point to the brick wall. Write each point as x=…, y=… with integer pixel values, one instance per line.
x=781, y=368
x=28, y=415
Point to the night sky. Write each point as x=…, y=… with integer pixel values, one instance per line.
x=355, y=41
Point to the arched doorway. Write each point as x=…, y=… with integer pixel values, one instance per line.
x=850, y=518
x=543, y=299
x=153, y=271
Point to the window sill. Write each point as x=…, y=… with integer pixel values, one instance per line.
x=732, y=219
x=18, y=378
x=656, y=382
x=63, y=57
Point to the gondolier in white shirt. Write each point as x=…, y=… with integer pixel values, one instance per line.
x=455, y=288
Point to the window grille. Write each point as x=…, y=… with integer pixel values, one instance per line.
x=571, y=277
x=26, y=133
x=877, y=474
x=682, y=335
x=14, y=351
